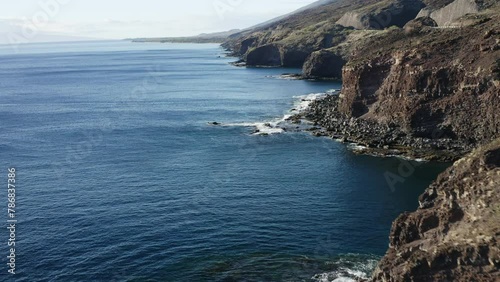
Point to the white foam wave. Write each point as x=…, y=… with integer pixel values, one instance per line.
x=303, y=102
x=332, y=91
x=325, y=277
x=355, y=271
x=286, y=76
x=357, y=147
x=283, y=124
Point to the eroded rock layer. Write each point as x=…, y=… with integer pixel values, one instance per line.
x=426, y=86
x=455, y=234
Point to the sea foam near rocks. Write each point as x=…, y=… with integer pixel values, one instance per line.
x=304, y=101
x=284, y=124
x=348, y=271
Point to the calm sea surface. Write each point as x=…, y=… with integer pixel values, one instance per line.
x=120, y=178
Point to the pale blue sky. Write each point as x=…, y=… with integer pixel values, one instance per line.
x=117, y=19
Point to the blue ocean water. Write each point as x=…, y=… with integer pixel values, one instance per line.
x=121, y=178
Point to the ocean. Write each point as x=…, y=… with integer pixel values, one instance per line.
x=121, y=175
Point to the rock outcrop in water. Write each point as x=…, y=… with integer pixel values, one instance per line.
x=455, y=234
x=415, y=85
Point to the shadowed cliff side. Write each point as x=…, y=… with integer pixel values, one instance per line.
x=455, y=234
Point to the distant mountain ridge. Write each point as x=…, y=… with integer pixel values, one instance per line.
x=220, y=37
x=216, y=37
x=305, y=8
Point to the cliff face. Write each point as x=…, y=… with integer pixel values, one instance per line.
x=455, y=234
x=421, y=91
x=433, y=83
x=329, y=62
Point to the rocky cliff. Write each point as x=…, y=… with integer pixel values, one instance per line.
x=421, y=87
x=444, y=82
x=455, y=234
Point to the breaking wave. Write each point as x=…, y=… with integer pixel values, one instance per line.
x=285, y=124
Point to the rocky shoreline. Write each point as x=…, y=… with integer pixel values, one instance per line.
x=319, y=115
x=377, y=139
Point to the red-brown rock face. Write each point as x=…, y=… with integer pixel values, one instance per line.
x=434, y=83
x=455, y=234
